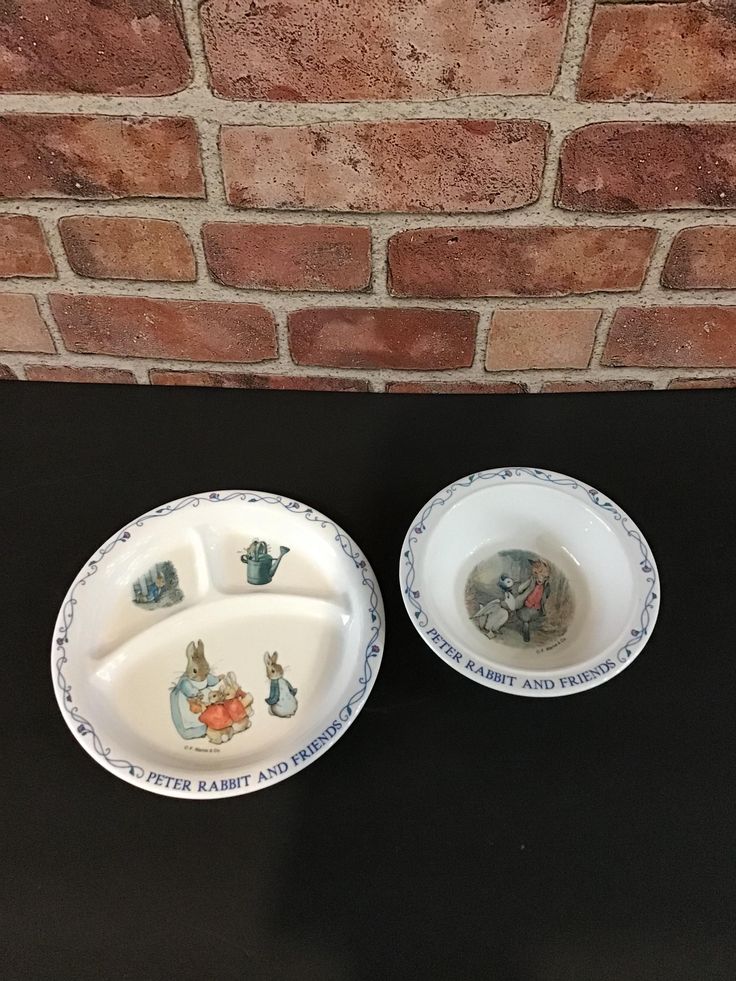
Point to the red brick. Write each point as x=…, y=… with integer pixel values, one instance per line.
x=288, y=257
x=603, y=385
x=352, y=337
x=21, y=325
x=190, y=330
x=7, y=373
x=23, y=248
x=321, y=51
x=702, y=258
x=128, y=248
x=725, y=382
x=661, y=52
x=99, y=157
x=673, y=337
x=521, y=339
x=626, y=167
x=456, y=388
x=232, y=379
x=445, y=262
x=125, y=47
x=66, y=373
x=413, y=166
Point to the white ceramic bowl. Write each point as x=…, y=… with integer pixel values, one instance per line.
x=529, y=581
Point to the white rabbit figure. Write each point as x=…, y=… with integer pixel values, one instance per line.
x=239, y=704
x=281, y=699
x=215, y=715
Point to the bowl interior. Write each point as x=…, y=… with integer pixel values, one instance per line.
x=529, y=577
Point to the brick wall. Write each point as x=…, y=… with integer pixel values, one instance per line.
x=401, y=195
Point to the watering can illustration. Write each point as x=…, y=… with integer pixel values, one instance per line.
x=261, y=566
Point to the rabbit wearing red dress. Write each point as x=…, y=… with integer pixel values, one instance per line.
x=224, y=710
x=238, y=704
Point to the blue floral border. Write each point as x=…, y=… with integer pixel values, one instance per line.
x=66, y=616
x=646, y=563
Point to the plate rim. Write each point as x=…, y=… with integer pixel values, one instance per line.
x=366, y=669
x=468, y=485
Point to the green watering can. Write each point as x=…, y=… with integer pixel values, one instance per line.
x=261, y=567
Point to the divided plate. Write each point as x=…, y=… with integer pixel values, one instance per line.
x=529, y=581
x=218, y=644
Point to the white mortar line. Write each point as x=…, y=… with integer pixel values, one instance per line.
x=657, y=261
x=285, y=301
x=477, y=370
x=538, y=214
x=48, y=318
x=191, y=226
x=534, y=385
x=64, y=271
x=381, y=232
x=602, y=330
x=199, y=83
x=579, y=17
x=199, y=103
x=549, y=179
x=283, y=360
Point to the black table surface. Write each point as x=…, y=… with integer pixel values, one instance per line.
x=453, y=831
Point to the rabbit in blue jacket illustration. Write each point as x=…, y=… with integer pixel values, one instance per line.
x=281, y=699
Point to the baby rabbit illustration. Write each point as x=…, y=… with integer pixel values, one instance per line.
x=238, y=704
x=281, y=699
x=214, y=715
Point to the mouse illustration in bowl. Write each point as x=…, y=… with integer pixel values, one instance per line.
x=281, y=699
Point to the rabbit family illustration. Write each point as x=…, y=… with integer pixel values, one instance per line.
x=215, y=706
x=281, y=699
x=205, y=704
x=195, y=681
